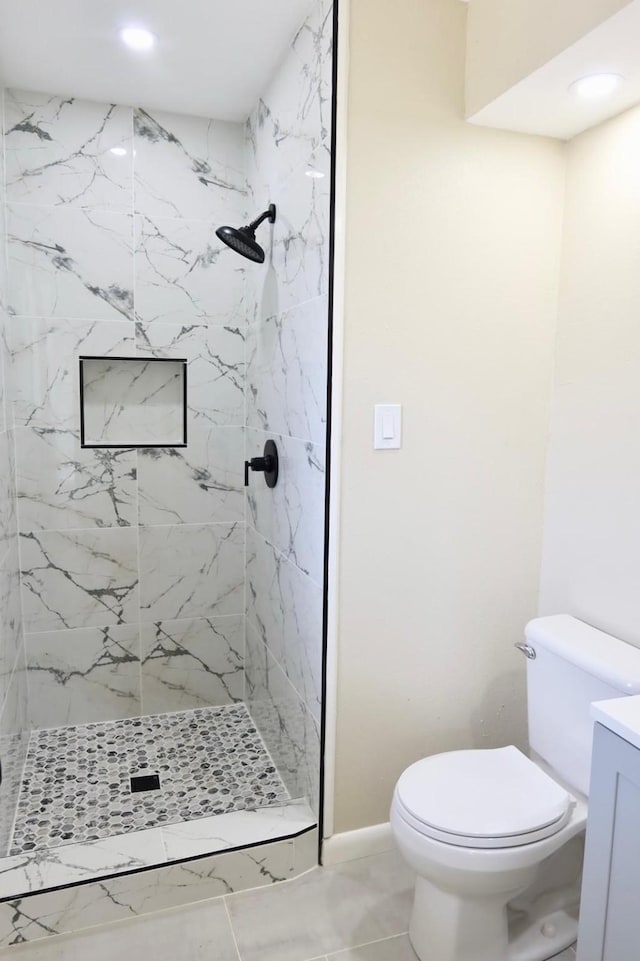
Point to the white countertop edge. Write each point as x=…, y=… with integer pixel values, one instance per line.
x=621, y=715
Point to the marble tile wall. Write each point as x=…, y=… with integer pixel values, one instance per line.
x=138, y=571
x=132, y=559
x=289, y=142
x=13, y=699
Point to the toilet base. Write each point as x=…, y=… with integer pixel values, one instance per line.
x=449, y=927
x=544, y=939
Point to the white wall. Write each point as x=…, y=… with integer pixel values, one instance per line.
x=453, y=247
x=591, y=563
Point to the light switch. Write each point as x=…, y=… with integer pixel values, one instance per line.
x=387, y=427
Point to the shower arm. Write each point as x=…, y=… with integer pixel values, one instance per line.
x=269, y=214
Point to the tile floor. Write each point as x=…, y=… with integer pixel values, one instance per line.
x=76, y=781
x=357, y=911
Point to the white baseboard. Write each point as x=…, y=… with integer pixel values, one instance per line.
x=352, y=845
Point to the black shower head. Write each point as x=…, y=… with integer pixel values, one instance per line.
x=243, y=239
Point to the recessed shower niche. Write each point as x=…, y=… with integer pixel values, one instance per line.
x=133, y=402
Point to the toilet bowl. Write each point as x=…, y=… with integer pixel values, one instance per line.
x=476, y=826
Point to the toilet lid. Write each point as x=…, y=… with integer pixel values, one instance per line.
x=496, y=796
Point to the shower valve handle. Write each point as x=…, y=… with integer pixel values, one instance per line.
x=264, y=464
x=267, y=464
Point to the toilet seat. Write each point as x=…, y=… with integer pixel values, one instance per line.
x=482, y=799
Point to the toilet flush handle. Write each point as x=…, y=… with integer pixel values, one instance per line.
x=526, y=649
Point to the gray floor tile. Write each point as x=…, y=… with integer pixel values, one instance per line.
x=393, y=949
x=325, y=911
x=399, y=949
x=199, y=932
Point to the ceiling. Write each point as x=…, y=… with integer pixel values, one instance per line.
x=543, y=104
x=213, y=58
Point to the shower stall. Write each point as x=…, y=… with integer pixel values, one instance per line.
x=161, y=623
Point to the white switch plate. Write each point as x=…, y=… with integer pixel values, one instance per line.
x=387, y=433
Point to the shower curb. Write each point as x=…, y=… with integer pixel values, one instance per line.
x=89, y=904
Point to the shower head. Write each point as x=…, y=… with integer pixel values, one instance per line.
x=243, y=239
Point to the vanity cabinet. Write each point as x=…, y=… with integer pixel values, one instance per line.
x=610, y=905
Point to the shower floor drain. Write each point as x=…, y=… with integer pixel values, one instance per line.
x=145, y=782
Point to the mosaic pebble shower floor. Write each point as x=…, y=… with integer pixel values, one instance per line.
x=76, y=783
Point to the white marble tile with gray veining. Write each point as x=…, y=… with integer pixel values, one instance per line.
x=116, y=899
x=14, y=717
x=215, y=367
x=185, y=275
x=226, y=873
x=62, y=485
x=4, y=278
x=188, y=167
x=14, y=738
x=14, y=733
x=285, y=608
x=5, y=411
x=79, y=578
x=133, y=402
x=34, y=915
x=10, y=618
x=81, y=676
x=70, y=262
x=207, y=835
x=237, y=870
x=3, y=235
x=13, y=749
x=60, y=150
x=191, y=570
x=286, y=725
x=8, y=512
x=73, y=863
x=291, y=516
x=192, y=663
x=199, y=484
x=287, y=372
x=45, y=380
x=301, y=233
x=293, y=116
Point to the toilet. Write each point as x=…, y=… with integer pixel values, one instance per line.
x=489, y=832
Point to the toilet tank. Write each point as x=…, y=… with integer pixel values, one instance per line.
x=574, y=665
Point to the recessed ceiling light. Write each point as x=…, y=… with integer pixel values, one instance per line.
x=596, y=86
x=119, y=151
x=137, y=38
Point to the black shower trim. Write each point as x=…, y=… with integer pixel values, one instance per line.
x=145, y=360
x=327, y=502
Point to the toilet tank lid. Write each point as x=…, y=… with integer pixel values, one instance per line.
x=608, y=658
